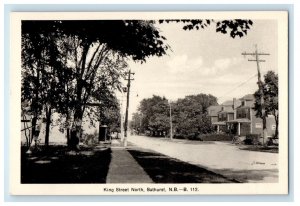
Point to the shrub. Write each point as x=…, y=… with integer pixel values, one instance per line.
x=196, y=137
x=272, y=141
x=216, y=137
x=252, y=139
x=90, y=139
x=177, y=136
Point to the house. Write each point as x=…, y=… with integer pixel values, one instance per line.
x=213, y=112
x=226, y=113
x=245, y=121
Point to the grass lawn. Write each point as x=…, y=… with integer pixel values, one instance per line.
x=164, y=169
x=58, y=165
x=270, y=149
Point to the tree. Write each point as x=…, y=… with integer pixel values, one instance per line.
x=160, y=121
x=270, y=94
x=191, y=115
x=94, y=47
x=235, y=27
x=154, y=114
x=136, y=123
x=42, y=70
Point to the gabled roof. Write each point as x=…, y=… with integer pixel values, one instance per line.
x=213, y=110
x=248, y=97
x=227, y=110
x=228, y=103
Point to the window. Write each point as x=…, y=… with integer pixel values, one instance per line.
x=243, y=113
x=273, y=127
x=258, y=125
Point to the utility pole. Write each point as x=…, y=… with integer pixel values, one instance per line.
x=127, y=106
x=256, y=55
x=121, y=118
x=171, y=125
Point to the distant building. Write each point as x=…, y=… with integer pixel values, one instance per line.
x=213, y=112
x=238, y=117
x=226, y=113
x=246, y=122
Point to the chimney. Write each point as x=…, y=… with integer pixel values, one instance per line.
x=234, y=105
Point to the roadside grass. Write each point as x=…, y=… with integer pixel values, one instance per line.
x=57, y=165
x=260, y=148
x=204, y=137
x=164, y=169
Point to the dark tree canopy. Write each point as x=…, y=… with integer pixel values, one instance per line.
x=235, y=27
x=77, y=61
x=135, y=38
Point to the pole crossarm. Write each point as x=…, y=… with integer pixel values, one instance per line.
x=253, y=54
x=253, y=60
x=256, y=55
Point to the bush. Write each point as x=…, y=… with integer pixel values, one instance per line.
x=252, y=139
x=205, y=137
x=272, y=141
x=216, y=137
x=177, y=136
x=187, y=136
x=196, y=137
x=90, y=139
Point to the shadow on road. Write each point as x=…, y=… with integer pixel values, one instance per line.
x=164, y=169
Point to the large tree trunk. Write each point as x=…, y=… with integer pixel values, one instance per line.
x=78, y=114
x=76, y=127
x=48, y=122
x=68, y=136
x=76, y=130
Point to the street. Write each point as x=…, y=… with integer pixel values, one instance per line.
x=220, y=157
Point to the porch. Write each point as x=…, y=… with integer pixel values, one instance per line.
x=239, y=127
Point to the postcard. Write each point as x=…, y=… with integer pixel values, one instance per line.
x=149, y=103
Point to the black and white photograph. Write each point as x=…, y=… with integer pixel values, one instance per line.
x=153, y=103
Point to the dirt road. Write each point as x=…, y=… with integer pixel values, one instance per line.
x=221, y=157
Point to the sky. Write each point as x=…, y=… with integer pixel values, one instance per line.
x=203, y=61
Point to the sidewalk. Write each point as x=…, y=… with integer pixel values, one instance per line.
x=134, y=164
x=123, y=167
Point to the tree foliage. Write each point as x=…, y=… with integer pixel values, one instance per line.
x=154, y=114
x=235, y=27
x=43, y=74
x=92, y=57
x=68, y=63
x=189, y=115
x=270, y=96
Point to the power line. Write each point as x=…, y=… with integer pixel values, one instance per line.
x=241, y=84
x=257, y=59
